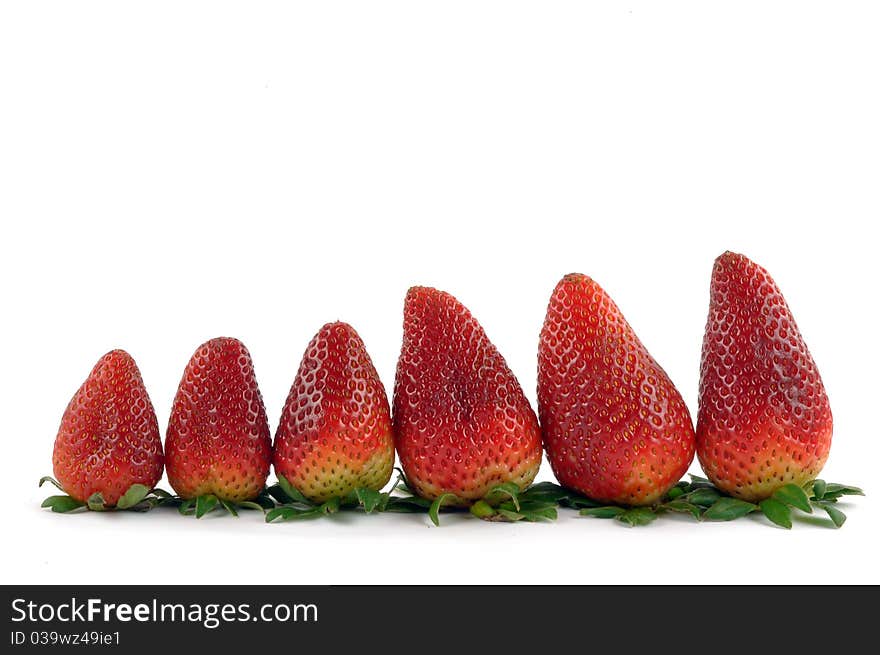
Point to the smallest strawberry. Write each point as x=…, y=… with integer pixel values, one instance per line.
x=108, y=453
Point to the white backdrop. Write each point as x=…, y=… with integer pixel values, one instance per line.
x=171, y=172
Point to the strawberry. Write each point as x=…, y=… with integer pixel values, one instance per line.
x=109, y=437
x=764, y=419
x=218, y=438
x=615, y=427
x=462, y=424
x=335, y=435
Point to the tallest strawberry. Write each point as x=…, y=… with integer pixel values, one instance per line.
x=461, y=422
x=764, y=419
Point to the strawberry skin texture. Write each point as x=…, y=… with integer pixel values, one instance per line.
x=764, y=419
x=462, y=424
x=615, y=428
x=335, y=435
x=218, y=437
x=109, y=437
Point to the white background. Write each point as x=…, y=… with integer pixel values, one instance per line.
x=170, y=172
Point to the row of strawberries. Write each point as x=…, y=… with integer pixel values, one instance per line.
x=614, y=427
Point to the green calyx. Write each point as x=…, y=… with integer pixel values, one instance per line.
x=508, y=504
x=137, y=498
x=205, y=504
x=292, y=505
x=704, y=502
x=503, y=503
x=697, y=498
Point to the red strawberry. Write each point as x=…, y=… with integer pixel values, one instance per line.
x=764, y=419
x=218, y=437
x=109, y=437
x=461, y=422
x=335, y=429
x=615, y=427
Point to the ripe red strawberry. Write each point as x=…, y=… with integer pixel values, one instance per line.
x=218, y=437
x=764, y=419
x=461, y=422
x=109, y=437
x=335, y=435
x=615, y=427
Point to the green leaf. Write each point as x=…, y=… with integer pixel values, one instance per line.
x=350, y=499
x=507, y=515
x=161, y=493
x=167, y=500
x=288, y=513
x=285, y=486
x=777, y=511
x=836, y=490
x=402, y=506
x=683, y=507
x=96, y=502
x=532, y=511
x=544, y=491
x=62, y=504
x=50, y=479
x=728, y=509
x=250, y=504
x=276, y=493
x=704, y=497
x=265, y=500
x=609, y=512
x=509, y=489
x=675, y=492
x=575, y=501
x=396, y=484
x=384, y=498
x=434, y=510
x=186, y=506
x=143, y=506
x=205, y=504
x=697, y=482
x=135, y=494
x=277, y=513
x=408, y=504
x=401, y=476
x=330, y=506
x=229, y=507
x=793, y=495
x=551, y=492
x=292, y=492
x=637, y=516
x=482, y=510
x=819, y=488
x=369, y=499
x=537, y=512
x=837, y=517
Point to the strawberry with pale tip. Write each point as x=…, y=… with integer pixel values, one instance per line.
x=334, y=436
